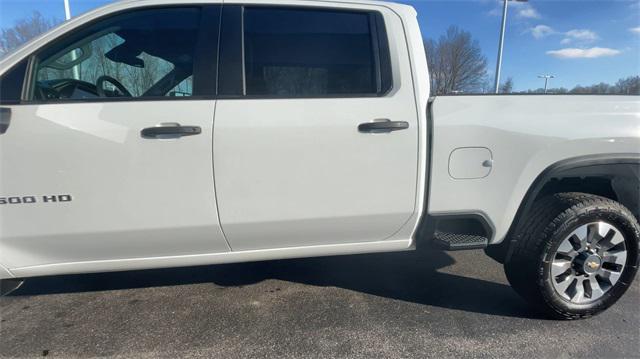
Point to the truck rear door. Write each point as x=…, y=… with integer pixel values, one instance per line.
x=316, y=133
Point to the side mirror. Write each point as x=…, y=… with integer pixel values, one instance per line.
x=5, y=119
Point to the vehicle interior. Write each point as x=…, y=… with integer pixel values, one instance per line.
x=133, y=57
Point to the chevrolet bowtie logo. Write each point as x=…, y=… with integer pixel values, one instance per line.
x=593, y=265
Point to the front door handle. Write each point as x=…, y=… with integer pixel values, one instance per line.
x=170, y=130
x=383, y=126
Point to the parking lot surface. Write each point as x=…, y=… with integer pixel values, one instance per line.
x=412, y=304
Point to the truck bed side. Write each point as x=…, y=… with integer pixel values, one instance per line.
x=524, y=136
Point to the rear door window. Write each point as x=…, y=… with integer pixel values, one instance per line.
x=302, y=52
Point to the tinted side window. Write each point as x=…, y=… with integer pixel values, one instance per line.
x=300, y=52
x=146, y=53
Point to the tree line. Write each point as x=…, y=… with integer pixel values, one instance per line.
x=456, y=62
x=624, y=86
x=457, y=65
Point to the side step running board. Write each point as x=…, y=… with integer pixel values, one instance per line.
x=457, y=241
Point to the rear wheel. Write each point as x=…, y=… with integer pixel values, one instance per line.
x=575, y=255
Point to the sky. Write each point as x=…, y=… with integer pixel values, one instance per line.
x=580, y=42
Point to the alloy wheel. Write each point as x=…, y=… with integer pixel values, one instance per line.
x=588, y=262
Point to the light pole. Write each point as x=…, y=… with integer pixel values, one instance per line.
x=546, y=80
x=67, y=16
x=67, y=10
x=501, y=43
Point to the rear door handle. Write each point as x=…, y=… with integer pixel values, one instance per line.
x=381, y=126
x=170, y=130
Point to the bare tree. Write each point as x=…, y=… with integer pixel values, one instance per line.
x=23, y=31
x=456, y=62
x=507, y=86
x=487, y=85
x=628, y=86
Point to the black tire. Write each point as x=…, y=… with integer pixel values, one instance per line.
x=498, y=252
x=550, y=221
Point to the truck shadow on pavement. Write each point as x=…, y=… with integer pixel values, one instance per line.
x=415, y=277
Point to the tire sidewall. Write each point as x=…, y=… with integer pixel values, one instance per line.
x=628, y=227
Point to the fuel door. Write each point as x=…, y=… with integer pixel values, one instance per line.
x=470, y=163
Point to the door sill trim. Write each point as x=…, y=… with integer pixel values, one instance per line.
x=212, y=258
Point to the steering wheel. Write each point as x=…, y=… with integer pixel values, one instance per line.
x=100, y=89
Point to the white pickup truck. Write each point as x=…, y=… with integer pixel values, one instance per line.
x=164, y=133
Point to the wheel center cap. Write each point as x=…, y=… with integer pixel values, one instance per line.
x=588, y=263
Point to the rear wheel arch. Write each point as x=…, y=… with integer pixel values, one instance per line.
x=613, y=176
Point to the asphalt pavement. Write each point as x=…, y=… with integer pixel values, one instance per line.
x=412, y=304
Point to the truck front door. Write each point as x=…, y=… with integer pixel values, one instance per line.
x=107, y=155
